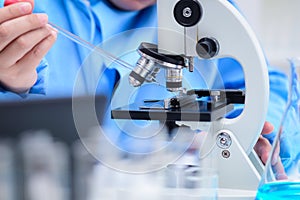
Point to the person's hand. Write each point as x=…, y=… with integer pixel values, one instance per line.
x=25, y=38
x=9, y=2
x=263, y=149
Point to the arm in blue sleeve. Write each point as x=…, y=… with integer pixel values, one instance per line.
x=290, y=129
x=278, y=99
x=40, y=85
x=36, y=91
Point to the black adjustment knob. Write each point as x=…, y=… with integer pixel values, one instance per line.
x=187, y=12
x=174, y=103
x=207, y=47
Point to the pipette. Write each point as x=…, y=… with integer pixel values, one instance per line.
x=91, y=46
x=78, y=39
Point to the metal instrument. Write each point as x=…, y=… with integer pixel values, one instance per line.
x=207, y=29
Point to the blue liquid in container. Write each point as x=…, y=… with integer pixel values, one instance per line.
x=279, y=191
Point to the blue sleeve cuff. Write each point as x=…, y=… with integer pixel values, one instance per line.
x=40, y=85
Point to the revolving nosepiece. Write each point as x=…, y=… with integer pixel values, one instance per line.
x=150, y=63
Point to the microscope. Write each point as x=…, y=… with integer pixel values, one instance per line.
x=209, y=30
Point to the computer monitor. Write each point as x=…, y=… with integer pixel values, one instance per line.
x=53, y=115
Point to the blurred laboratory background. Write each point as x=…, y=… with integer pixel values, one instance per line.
x=40, y=164
x=276, y=24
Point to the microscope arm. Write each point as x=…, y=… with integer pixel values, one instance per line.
x=221, y=21
x=238, y=165
x=210, y=29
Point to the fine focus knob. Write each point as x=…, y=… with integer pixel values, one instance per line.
x=207, y=47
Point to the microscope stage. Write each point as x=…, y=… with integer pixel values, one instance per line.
x=154, y=110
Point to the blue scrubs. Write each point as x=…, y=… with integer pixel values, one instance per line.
x=98, y=21
x=95, y=23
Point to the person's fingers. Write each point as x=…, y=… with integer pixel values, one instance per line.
x=10, y=2
x=17, y=49
x=23, y=75
x=268, y=128
x=263, y=148
x=12, y=29
x=14, y=11
x=39, y=51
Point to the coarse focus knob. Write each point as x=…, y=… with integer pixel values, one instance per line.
x=187, y=12
x=207, y=47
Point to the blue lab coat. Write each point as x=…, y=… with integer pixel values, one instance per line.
x=99, y=22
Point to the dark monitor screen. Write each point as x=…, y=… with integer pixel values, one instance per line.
x=53, y=115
